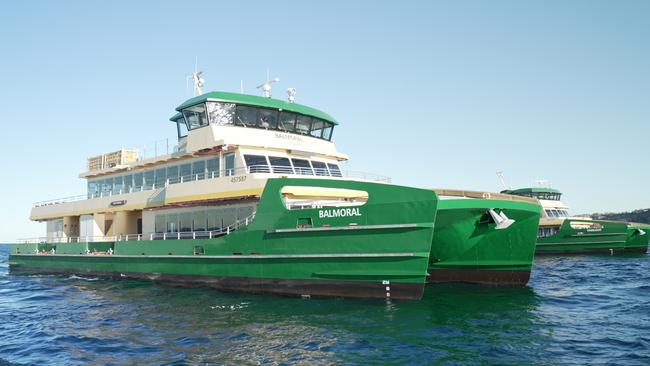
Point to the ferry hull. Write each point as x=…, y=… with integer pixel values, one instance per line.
x=383, y=252
x=613, y=238
x=467, y=246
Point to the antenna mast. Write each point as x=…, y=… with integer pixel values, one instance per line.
x=199, y=82
x=501, y=179
x=266, y=86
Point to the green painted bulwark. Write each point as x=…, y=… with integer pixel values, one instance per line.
x=467, y=246
x=381, y=252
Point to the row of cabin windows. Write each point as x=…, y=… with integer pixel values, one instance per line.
x=544, y=232
x=219, y=113
x=282, y=165
x=542, y=195
x=156, y=178
x=556, y=213
x=205, y=220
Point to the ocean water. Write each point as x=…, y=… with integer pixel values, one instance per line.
x=576, y=310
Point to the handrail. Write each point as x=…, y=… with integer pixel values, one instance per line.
x=254, y=169
x=484, y=195
x=202, y=234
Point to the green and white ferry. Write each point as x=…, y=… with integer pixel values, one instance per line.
x=561, y=233
x=253, y=199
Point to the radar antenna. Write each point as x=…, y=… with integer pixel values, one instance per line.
x=266, y=86
x=292, y=94
x=542, y=183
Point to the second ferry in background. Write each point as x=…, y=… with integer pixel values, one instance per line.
x=560, y=233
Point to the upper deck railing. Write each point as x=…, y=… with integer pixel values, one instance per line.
x=253, y=169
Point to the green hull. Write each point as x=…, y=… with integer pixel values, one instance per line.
x=638, y=236
x=382, y=251
x=467, y=246
x=612, y=237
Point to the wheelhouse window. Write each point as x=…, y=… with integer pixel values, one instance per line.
x=317, y=127
x=303, y=124
x=320, y=168
x=268, y=118
x=327, y=131
x=302, y=167
x=334, y=170
x=181, y=127
x=221, y=113
x=287, y=121
x=195, y=116
x=246, y=116
x=256, y=164
x=280, y=165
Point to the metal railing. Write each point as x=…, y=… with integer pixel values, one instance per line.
x=201, y=234
x=253, y=169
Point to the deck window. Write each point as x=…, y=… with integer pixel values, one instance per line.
x=195, y=116
x=287, y=122
x=268, y=119
x=160, y=225
x=199, y=220
x=302, y=167
x=303, y=124
x=334, y=170
x=246, y=116
x=149, y=179
x=117, y=185
x=185, y=172
x=198, y=170
x=214, y=220
x=185, y=219
x=213, y=167
x=161, y=177
x=128, y=183
x=280, y=165
x=138, y=179
x=256, y=163
x=93, y=190
x=320, y=168
x=172, y=174
x=107, y=186
x=172, y=223
x=229, y=162
x=221, y=113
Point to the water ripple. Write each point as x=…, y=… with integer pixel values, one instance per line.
x=576, y=310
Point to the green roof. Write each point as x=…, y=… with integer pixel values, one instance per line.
x=176, y=117
x=530, y=190
x=254, y=100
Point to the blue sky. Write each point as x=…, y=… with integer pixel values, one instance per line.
x=431, y=93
